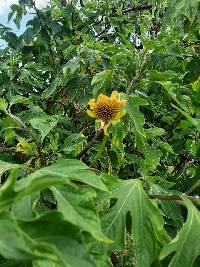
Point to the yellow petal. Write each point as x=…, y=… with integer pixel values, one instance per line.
x=91, y=113
x=119, y=116
x=18, y=148
x=102, y=97
x=122, y=113
x=122, y=103
x=92, y=103
x=105, y=129
x=114, y=94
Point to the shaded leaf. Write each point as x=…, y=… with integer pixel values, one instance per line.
x=186, y=244
x=14, y=244
x=67, y=239
x=188, y=8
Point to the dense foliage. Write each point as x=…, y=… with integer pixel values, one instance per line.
x=71, y=194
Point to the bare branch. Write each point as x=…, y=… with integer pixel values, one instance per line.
x=137, y=8
x=90, y=144
x=194, y=199
x=7, y=149
x=194, y=187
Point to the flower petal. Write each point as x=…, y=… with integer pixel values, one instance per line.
x=102, y=97
x=114, y=94
x=91, y=113
x=92, y=103
x=122, y=103
x=105, y=129
x=119, y=116
x=122, y=113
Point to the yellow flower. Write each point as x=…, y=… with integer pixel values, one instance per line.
x=25, y=148
x=107, y=110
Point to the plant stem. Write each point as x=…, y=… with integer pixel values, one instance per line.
x=103, y=144
x=90, y=144
x=138, y=72
x=194, y=187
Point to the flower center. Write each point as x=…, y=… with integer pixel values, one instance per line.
x=106, y=111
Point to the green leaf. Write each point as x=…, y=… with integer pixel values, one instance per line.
x=136, y=116
x=80, y=211
x=18, y=99
x=151, y=155
x=102, y=80
x=15, y=244
x=186, y=244
x=163, y=76
x=175, y=91
x=73, y=144
x=154, y=132
x=196, y=85
x=18, y=11
x=23, y=209
x=5, y=166
x=53, y=86
x=7, y=192
x=165, y=146
x=147, y=221
x=72, y=66
x=64, y=172
x=194, y=121
x=119, y=132
x=188, y=8
x=44, y=124
x=64, y=237
x=3, y=105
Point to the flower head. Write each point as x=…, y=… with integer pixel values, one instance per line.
x=107, y=110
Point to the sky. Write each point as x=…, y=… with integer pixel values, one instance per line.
x=5, y=9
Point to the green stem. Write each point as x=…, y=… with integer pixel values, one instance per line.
x=103, y=144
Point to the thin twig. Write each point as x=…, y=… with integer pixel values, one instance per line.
x=194, y=199
x=138, y=72
x=90, y=144
x=99, y=154
x=194, y=187
x=137, y=8
x=81, y=3
x=7, y=149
